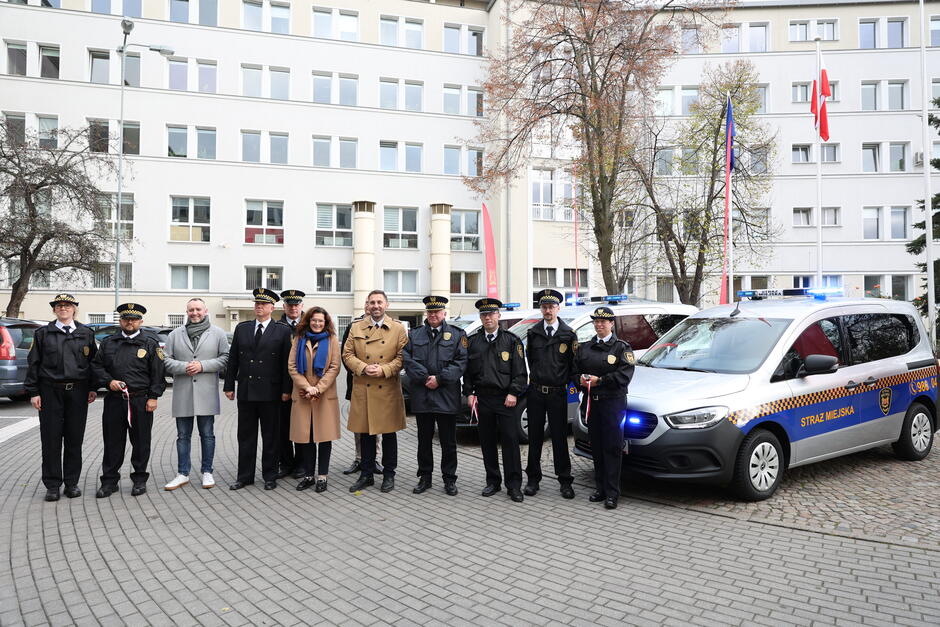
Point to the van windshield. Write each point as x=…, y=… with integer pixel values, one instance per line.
x=725, y=345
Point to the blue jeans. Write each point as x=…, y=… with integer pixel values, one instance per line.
x=184, y=435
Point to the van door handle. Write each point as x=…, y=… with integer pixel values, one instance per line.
x=851, y=385
x=871, y=381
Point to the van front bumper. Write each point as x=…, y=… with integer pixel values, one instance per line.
x=698, y=455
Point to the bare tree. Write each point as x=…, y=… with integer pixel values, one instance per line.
x=577, y=73
x=681, y=168
x=51, y=206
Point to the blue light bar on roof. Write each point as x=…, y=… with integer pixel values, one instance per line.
x=820, y=293
x=511, y=306
x=616, y=298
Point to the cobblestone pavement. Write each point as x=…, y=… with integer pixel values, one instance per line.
x=215, y=557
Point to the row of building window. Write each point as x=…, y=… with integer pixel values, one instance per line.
x=275, y=16
x=257, y=81
x=878, y=223
x=328, y=280
x=326, y=151
x=328, y=23
x=191, y=221
x=871, y=96
x=873, y=32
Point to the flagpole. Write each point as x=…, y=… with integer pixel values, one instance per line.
x=819, y=215
x=928, y=196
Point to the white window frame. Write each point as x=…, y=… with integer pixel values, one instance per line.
x=264, y=226
x=462, y=234
x=334, y=276
x=265, y=278
x=332, y=230
x=400, y=273
x=803, y=211
x=400, y=231
x=463, y=274
x=189, y=276
x=191, y=221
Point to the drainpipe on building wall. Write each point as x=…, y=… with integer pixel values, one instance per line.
x=363, y=275
x=928, y=196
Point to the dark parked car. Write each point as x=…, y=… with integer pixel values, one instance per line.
x=104, y=329
x=16, y=338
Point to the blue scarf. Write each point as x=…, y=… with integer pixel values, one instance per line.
x=320, y=352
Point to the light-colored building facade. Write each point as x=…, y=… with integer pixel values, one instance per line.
x=320, y=146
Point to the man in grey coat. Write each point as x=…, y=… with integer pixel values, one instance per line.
x=195, y=355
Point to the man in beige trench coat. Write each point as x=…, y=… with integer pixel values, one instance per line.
x=373, y=353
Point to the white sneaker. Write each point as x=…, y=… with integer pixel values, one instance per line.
x=178, y=482
x=207, y=480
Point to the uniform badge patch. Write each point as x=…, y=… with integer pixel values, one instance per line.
x=611, y=360
x=519, y=348
x=562, y=348
x=160, y=354
x=447, y=335
x=574, y=346
x=629, y=357
x=464, y=342
x=884, y=401
x=141, y=353
x=85, y=350
x=505, y=355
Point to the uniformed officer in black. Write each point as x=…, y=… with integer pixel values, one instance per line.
x=435, y=359
x=130, y=365
x=493, y=382
x=550, y=345
x=257, y=359
x=293, y=302
x=59, y=384
x=605, y=363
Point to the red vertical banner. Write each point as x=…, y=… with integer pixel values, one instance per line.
x=489, y=249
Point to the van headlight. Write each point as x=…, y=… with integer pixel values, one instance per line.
x=699, y=418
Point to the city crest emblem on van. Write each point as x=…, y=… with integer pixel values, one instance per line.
x=884, y=401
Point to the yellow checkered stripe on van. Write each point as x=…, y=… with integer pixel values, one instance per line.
x=741, y=417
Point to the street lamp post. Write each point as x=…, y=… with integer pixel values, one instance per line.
x=126, y=27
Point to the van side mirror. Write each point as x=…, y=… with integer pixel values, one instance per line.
x=818, y=364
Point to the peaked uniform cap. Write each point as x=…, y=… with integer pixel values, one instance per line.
x=486, y=305
x=264, y=295
x=131, y=310
x=63, y=298
x=435, y=303
x=292, y=297
x=550, y=297
x=603, y=313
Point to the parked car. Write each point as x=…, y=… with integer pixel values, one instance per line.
x=16, y=338
x=736, y=394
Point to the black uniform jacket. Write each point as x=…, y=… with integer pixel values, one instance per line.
x=612, y=361
x=137, y=361
x=551, y=359
x=496, y=367
x=57, y=356
x=261, y=371
x=444, y=357
x=349, y=374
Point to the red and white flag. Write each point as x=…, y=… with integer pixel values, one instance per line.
x=821, y=91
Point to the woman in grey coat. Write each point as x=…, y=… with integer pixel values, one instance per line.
x=195, y=355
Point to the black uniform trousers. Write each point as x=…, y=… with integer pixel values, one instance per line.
x=367, y=443
x=288, y=458
x=62, y=422
x=250, y=414
x=447, y=434
x=605, y=431
x=555, y=406
x=499, y=423
x=116, y=431
x=307, y=455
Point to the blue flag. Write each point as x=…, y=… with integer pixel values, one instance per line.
x=729, y=135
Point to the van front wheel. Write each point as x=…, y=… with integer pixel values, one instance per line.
x=759, y=466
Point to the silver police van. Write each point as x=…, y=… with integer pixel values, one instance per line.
x=735, y=394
